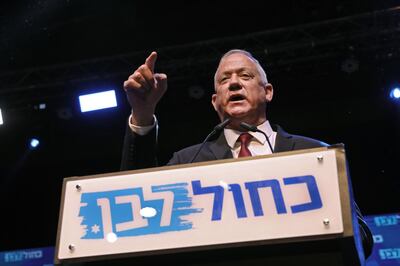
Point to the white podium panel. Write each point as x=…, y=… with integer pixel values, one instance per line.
x=221, y=202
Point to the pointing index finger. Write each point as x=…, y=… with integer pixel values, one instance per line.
x=151, y=61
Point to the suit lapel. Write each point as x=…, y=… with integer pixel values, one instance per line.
x=220, y=148
x=284, y=141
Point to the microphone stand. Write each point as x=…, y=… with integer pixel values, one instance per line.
x=216, y=129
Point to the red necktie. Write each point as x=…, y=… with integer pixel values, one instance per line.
x=244, y=139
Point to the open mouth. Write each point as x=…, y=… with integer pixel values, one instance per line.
x=236, y=98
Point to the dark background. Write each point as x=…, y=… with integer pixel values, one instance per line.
x=332, y=64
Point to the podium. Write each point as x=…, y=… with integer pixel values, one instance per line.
x=290, y=208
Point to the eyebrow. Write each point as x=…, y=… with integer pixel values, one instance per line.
x=235, y=70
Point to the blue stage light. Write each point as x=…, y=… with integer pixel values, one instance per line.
x=1, y=118
x=34, y=143
x=97, y=101
x=395, y=93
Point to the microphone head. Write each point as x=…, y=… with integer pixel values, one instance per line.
x=248, y=127
x=222, y=125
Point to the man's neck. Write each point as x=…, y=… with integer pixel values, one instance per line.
x=235, y=123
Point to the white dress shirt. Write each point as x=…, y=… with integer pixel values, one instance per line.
x=258, y=144
x=142, y=130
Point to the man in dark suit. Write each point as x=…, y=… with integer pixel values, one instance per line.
x=242, y=93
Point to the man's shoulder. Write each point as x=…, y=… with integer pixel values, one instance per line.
x=186, y=154
x=190, y=150
x=214, y=149
x=288, y=141
x=307, y=142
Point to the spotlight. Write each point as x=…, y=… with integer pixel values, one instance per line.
x=1, y=118
x=97, y=101
x=196, y=92
x=34, y=143
x=40, y=106
x=64, y=113
x=350, y=65
x=395, y=93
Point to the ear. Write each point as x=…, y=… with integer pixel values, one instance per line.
x=214, y=101
x=269, y=92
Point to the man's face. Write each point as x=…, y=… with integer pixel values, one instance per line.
x=240, y=93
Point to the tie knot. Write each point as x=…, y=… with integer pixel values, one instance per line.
x=245, y=138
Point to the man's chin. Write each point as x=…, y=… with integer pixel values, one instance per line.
x=238, y=113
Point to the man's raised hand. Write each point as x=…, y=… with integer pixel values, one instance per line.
x=144, y=89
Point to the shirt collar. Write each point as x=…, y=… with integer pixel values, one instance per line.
x=232, y=135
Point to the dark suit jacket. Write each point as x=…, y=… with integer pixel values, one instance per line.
x=140, y=152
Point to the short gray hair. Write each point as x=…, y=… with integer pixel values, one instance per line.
x=249, y=55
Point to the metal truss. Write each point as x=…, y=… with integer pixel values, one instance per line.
x=311, y=48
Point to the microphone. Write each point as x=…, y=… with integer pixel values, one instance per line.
x=216, y=129
x=255, y=129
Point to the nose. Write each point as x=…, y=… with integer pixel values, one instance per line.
x=234, y=83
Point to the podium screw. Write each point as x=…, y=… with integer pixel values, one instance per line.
x=78, y=187
x=71, y=247
x=326, y=221
x=320, y=158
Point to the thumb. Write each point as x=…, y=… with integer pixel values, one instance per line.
x=161, y=80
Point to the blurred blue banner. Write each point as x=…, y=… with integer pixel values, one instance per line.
x=28, y=257
x=386, y=232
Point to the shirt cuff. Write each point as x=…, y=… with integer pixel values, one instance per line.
x=142, y=130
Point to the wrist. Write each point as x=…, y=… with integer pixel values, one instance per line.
x=142, y=120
